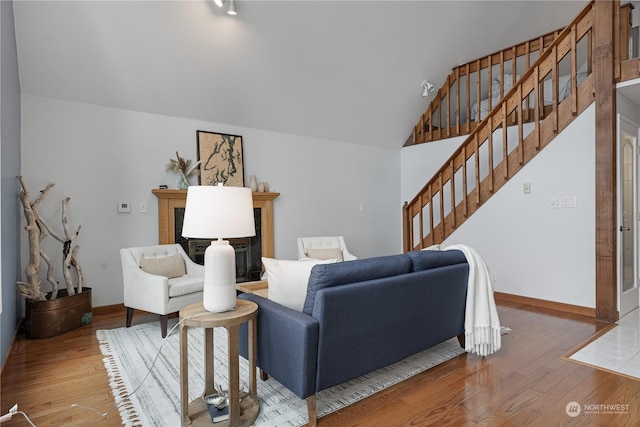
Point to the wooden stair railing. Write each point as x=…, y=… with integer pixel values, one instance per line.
x=449, y=113
x=503, y=143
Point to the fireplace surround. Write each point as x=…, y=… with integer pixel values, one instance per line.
x=249, y=251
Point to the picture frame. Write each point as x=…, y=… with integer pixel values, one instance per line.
x=221, y=158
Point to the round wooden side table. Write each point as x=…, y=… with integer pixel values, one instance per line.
x=241, y=413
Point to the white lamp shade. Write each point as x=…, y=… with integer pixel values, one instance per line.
x=213, y=212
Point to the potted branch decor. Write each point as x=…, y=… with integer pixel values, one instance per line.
x=60, y=310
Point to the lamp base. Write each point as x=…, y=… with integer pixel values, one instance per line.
x=219, y=292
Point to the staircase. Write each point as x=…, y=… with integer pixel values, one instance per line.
x=556, y=88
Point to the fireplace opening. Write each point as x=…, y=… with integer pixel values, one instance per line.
x=242, y=248
x=248, y=250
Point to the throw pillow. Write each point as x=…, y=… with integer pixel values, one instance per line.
x=170, y=266
x=288, y=280
x=328, y=253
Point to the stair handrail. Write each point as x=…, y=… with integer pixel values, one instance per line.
x=565, y=43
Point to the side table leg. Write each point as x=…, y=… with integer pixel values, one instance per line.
x=253, y=358
x=234, y=375
x=184, y=376
x=209, y=375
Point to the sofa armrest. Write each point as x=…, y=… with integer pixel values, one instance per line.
x=287, y=345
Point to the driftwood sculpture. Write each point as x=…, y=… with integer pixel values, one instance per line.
x=37, y=229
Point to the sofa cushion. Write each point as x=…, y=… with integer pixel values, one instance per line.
x=288, y=280
x=426, y=259
x=325, y=253
x=169, y=266
x=326, y=276
x=185, y=285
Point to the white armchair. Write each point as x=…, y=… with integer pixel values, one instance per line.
x=323, y=247
x=159, y=279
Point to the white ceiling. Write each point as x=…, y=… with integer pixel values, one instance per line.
x=341, y=70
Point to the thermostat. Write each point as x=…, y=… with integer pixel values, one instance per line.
x=124, y=207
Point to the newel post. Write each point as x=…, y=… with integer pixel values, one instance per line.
x=606, y=162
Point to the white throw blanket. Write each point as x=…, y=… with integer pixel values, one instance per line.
x=481, y=323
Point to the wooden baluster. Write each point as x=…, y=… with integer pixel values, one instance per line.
x=536, y=91
x=505, y=142
x=554, y=83
x=453, y=194
x=431, y=229
x=574, y=72
x=520, y=135
x=430, y=115
x=439, y=110
x=514, y=63
x=501, y=74
x=490, y=142
x=538, y=45
x=528, y=65
x=477, y=158
x=465, y=191
x=421, y=222
x=478, y=100
x=441, y=191
x=457, y=100
x=489, y=92
x=448, y=102
x=468, y=90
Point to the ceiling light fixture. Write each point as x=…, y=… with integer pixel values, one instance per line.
x=427, y=87
x=219, y=3
x=232, y=8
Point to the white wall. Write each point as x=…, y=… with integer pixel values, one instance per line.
x=99, y=156
x=533, y=250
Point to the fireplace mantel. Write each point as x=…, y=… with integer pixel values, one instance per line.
x=169, y=200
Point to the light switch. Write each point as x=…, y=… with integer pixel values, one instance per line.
x=569, y=202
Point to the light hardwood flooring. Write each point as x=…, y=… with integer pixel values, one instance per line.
x=529, y=382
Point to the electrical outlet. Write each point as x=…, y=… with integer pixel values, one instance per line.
x=555, y=203
x=526, y=188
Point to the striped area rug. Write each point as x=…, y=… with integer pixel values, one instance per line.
x=129, y=354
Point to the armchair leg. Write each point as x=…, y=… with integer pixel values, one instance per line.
x=129, y=316
x=311, y=408
x=163, y=324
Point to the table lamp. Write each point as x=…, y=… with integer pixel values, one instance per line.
x=217, y=212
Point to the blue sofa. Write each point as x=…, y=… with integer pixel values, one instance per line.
x=360, y=316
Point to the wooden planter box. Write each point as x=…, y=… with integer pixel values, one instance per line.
x=46, y=319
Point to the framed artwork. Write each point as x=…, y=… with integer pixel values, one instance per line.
x=220, y=158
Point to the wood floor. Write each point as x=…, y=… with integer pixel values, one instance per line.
x=527, y=383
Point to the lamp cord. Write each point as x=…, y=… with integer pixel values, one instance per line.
x=117, y=405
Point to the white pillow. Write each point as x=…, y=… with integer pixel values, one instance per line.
x=288, y=280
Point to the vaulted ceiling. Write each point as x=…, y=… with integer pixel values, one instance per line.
x=342, y=70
